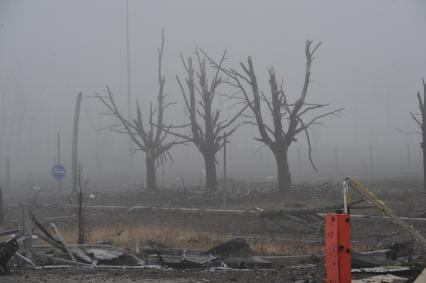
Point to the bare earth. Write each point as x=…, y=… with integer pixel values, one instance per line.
x=404, y=196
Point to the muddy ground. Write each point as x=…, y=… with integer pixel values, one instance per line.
x=166, y=276
x=403, y=195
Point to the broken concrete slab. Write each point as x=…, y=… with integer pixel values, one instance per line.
x=421, y=278
x=81, y=254
x=382, y=269
x=251, y=262
x=293, y=260
x=382, y=279
x=101, y=254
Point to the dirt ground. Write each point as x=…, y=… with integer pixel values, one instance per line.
x=403, y=195
x=166, y=276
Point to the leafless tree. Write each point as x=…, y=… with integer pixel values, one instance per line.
x=150, y=138
x=289, y=119
x=420, y=119
x=208, y=131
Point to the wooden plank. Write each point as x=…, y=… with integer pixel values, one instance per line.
x=61, y=239
x=27, y=228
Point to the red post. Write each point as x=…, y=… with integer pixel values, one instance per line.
x=338, y=248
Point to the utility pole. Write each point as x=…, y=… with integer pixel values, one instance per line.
x=80, y=209
x=59, y=161
x=371, y=160
x=224, y=159
x=74, y=166
x=129, y=86
x=7, y=174
x=408, y=157
x=1, y=206
x=336, y=159
x=98, y=154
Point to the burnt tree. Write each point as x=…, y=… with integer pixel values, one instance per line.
x=420, y=119
x=288, y=119
x=207, y=131
x=150, y=138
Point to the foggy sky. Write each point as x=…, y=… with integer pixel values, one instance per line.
x=371, y=63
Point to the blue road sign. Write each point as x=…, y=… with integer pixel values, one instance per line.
x=58, y=172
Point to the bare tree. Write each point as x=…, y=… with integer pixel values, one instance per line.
x=288, y=118
x=420, y=119
x=208, y=132
x=152, y=138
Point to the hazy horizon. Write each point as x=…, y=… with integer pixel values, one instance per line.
x=371, y=62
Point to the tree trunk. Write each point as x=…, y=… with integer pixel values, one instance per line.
x=283, y=171
x=424, y=136
x=211, y=180
x=424, y=160
x=1, y=207
x=151, y=179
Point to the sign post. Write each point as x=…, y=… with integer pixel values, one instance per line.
x=58, y=172
x=59, y=160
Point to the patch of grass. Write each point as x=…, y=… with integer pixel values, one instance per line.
x=125, y=236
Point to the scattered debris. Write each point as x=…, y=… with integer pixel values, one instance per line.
x=382, y=269
x=396, y=250
x=101, y=254
x=237, y=247
x=235, y=253
x=382, y=279
x=7, y=250
x=104, y=242
x=360, y=260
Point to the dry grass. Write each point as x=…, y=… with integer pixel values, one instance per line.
x=126, y=235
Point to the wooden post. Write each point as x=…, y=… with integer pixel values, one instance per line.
x=299, y=161
x=1, y=206
x=98, y=154
x=61, y=239
x=408, y=157
x=80, y=210
x=336, y=159
x=371, y=160
x=8, y=174
x=75, y=143
x=224, y=159
x=59, y=161
x=162, y=173
x=27, y=230
x=137, y=247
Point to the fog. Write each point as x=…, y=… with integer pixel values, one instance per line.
x=371, y=63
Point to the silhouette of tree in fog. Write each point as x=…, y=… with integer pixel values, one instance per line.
x=207, y=131
x=289, y=119
x=150, y=138
x=420, y=119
